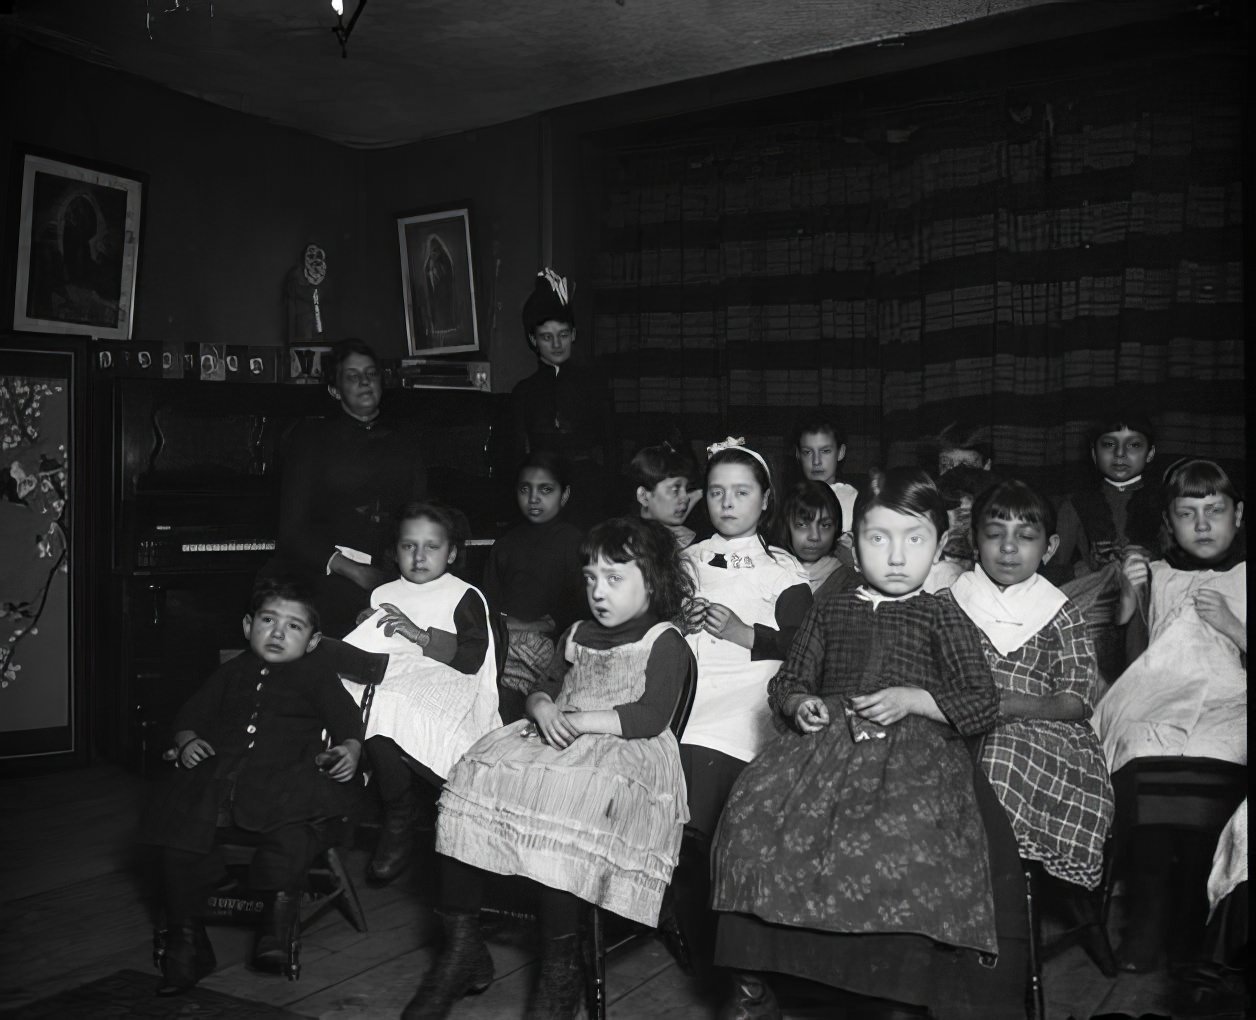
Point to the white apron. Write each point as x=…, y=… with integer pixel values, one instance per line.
x=1187, y=693
x=730, y=708
x=432, y=711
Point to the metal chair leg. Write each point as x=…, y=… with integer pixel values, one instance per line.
x=598, y=1011
x=1037, y=1008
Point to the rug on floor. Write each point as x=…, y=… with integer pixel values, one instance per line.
x=129, y=993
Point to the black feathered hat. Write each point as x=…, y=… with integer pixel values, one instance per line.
x=550, y=300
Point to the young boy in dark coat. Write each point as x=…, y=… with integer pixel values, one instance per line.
x=1101, y=525
x=253, y=767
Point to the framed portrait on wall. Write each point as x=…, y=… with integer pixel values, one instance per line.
x=437, y=282
x=78, y=247
x=43, y=555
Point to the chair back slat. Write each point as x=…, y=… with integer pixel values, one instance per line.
x=1187, y=793
x=684, y=703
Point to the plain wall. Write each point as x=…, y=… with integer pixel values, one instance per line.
x=494, y=172
x=230, y=201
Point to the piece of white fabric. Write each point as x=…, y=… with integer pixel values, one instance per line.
x=1187, y=693
x=1012, y=616
x=1229, y=862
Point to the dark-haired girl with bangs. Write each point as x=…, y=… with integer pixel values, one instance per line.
x=585, y=796
x=863, y=851
x=1042, y=757
x=809, y=526
x=1186, y=695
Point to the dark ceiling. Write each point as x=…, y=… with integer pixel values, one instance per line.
x=420, y=68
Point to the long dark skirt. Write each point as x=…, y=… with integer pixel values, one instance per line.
x=952, y=982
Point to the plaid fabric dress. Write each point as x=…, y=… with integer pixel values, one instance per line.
x=1049, y=773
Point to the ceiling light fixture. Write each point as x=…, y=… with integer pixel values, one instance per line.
x=177, y=7
x=342, y=30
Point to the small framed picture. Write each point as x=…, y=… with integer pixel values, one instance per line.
x=78, y=247
x=305, y=363
x=437, y=282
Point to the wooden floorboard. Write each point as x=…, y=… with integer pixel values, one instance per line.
x=74, y=910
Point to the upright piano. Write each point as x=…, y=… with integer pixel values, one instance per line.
x=195, y=475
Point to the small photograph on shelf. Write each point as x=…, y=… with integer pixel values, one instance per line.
x=237, y=359
x=263, y=365
x=213, y=363
x=437, y=282
x=305, y=363
x=191, y=361
x=171, y=362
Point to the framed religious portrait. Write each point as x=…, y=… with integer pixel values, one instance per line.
x=44, y=510
x=78, y=247
x=437, y=282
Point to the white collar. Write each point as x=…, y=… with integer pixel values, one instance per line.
x=1122, y=486
x=876, y=597
x=1011, y=616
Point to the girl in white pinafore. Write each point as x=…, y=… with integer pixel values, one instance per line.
x=750, y=601
x=439, y=692
x=1186, y=696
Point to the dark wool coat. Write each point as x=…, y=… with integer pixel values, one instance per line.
x=265, y=724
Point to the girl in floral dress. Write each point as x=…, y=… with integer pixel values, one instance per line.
x=862, y=850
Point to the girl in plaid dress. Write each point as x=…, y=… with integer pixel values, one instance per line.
x=1042, y=757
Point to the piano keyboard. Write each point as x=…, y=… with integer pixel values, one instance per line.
x=221, y=547
x=165, y=549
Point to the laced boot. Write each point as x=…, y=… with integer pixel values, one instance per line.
x=672, y=935
x=189, y=957
x=463, y=967
x=280, y=924
x=396, y=839
x=558, y=989
x=752, y=999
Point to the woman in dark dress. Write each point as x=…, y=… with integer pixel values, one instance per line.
x=343, y=478
x=564, y=406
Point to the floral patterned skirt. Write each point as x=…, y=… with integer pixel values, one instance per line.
x=881, y=836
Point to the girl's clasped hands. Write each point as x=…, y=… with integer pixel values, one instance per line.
x=718, y=621
x=884, y=707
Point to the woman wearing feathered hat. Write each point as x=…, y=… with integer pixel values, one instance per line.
x=563, y=407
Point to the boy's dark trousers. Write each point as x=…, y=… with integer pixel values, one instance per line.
x=279, y=864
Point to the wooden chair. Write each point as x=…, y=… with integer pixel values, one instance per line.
x=232, y=902
x=1194, y=794
x=327, y=882
x=596, y=948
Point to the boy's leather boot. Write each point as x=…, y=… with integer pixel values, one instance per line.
x=463, y=967
x=280, y=925
x=396, y=839
x=558, y=989
x=189, y=957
